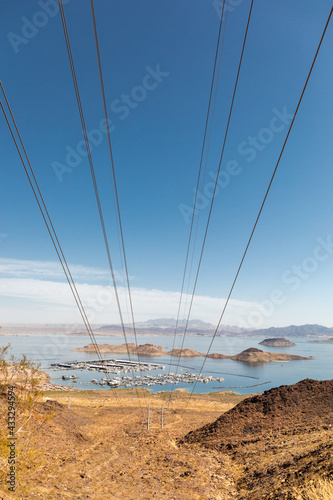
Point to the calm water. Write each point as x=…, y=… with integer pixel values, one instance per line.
x=56, y=348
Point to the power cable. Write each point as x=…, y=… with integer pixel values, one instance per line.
x=263, y=203
x=217, y=177
x=92, y=170
x=113, y=176
x=48, y=222
x=200, y=165
x=206, y=162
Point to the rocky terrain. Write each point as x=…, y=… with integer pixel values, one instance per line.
x=277, y=342
x=277, y=440
x=251, y=355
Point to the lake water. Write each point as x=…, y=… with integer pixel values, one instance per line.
x=238, y=376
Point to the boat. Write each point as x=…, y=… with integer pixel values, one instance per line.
x=113, y=383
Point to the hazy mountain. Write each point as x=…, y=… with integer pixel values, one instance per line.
x=295, y=331
x=196, y=324
x=163, y=326
x=166, y=326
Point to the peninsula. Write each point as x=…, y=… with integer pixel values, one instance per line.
x=251, y=355
x=323, y=341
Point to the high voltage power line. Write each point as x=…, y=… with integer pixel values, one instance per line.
x=217, y=178
x=207, y=151
x=92, y=170
x=263, y=203
x=113, y=176
x=219, y=48
x=47, y=220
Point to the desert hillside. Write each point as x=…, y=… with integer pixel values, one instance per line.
x=276, y=440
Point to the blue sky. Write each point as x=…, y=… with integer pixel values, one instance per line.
x=169, y=48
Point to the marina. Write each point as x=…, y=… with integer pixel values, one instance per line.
x=116, y=366
x=108, y=366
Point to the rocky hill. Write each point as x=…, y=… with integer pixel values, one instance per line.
x=186, y=353
x=254, y=355
x=280, y=438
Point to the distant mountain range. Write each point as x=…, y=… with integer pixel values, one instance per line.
x=164, y=323
x=166, y=326
x=296, y=331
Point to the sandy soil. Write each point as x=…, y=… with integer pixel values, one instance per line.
x=100, y=447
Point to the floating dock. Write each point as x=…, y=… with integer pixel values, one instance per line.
x=117, y=366
x=108, y=366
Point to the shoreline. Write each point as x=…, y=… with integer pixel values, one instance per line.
x=47, y=386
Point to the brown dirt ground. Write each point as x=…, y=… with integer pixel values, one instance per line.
x=100, y=448
x=265, y=447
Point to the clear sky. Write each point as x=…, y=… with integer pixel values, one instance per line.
x=157, y=59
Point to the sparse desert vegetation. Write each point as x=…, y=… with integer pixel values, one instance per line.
x=20, y=395
x=321, y=489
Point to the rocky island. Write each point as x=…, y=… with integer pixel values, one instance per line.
x=254, y=355
x=142, y=350
x=277, y=342
x=251, y=355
